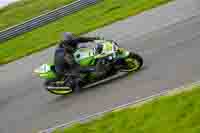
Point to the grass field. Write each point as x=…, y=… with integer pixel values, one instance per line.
x=179, y=113
x=25, y=9
x=105, y=12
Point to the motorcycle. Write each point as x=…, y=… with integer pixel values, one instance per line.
x=115, y=58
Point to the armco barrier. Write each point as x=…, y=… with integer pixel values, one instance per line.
x=45, y=19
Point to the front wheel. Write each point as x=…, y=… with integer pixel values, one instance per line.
x=132, y=63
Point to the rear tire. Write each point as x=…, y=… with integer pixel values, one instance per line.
x=57, y=91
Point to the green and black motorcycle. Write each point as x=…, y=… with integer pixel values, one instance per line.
x=116, y=58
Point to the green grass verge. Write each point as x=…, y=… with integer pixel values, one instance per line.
x=179, y=113
x=22, y=10
x=83, y=21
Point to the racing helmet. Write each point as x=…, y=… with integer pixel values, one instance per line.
x=68, y=36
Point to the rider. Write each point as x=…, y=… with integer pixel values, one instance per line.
x=64, y=55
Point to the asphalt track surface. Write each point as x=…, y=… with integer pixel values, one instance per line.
x=167, y=37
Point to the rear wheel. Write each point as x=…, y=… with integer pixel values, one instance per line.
x=60, y=91
x=58, y=88
x=133, y=63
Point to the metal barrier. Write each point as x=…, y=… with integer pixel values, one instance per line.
x=45, y=19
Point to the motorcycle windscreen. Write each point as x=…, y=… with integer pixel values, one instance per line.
x=45, y=71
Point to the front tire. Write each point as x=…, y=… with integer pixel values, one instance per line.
x=133, y=62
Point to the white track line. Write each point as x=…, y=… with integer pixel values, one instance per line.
x=50, y=130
